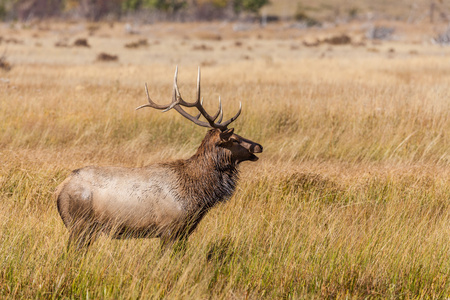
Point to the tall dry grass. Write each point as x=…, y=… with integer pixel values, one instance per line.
x=349, y=199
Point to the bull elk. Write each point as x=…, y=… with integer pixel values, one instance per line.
x=165, y=200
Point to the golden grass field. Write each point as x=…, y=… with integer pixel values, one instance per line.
x=350, y=198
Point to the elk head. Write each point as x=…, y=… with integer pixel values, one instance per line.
x=239, y=148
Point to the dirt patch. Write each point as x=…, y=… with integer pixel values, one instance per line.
x=137, y=44
x=12, y=41
x=202, y=47
x=311, y=44
x=107, y=57
x=338, y=40
x=4, y=64
x=81, y=43
x=62, y=44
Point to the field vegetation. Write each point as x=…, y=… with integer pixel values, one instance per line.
x=350, y=198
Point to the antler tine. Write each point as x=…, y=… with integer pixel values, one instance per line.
x=221, y=112
x=218, y=112
x=198, y=87
x=177, y=94
x=199, y=114
x=175, y=86
x=198, y=103
x=226, y=123
x=153, y=104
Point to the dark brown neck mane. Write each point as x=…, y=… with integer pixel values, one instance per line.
x=208, y=177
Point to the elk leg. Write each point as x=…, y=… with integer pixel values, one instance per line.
x=82, y=238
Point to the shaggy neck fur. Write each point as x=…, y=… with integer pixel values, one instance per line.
x=208, y=177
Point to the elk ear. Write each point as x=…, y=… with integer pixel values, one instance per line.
x=225, y=135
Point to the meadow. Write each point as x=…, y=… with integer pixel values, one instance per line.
x=350, y=198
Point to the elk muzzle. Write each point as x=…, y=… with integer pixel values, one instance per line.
x=251, y=146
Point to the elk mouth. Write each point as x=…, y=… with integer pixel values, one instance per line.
x=253, y=157
x=255, y=149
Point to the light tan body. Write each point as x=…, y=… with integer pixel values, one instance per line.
x=135, y=202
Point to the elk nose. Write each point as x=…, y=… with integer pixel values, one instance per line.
x=257, y=148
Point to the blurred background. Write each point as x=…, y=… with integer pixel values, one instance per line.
x=311, y=12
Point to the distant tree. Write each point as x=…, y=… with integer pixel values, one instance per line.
x=212, y=9
x=171, y=6
x=131, y=5
x=25, y=9
x=3, y=10
x=252, y=6
x=97, y=9
x=216, y=3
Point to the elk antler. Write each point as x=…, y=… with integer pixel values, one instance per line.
x=178, y=102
